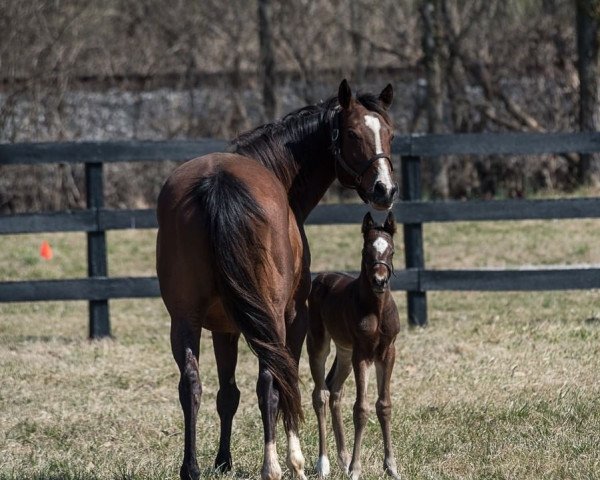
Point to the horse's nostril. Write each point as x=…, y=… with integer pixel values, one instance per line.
x=393, y=191
x=379, y=188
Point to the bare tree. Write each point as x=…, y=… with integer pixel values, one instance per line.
x=267, y=59
x=431, y=18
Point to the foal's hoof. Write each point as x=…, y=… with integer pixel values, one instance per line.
x=323, y=468
x=189, y=472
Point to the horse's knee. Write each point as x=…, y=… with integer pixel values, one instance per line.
x=335, y=398
x=320, y=398
x=361, y=413
x=383, y=409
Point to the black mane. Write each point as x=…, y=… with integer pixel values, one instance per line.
x=283, y=145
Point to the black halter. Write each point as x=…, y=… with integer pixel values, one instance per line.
x=339, y=159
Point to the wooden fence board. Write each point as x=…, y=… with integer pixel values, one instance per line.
x=405, y=212
x=412, y=145
x=510, y=280
x=107, y=152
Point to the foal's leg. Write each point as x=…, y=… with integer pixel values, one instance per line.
x=361, y=413
x=342, y=366
x=384, y=408
x=268, y=402
x=185, y=344
x=228, y=398
x=295, y=334
x=318, y=345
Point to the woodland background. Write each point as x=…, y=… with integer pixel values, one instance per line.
x=187, y=69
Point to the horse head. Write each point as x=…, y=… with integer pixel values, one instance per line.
x=362, y=135
x=378, y=252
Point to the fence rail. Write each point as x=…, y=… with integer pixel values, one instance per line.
x=416, y=280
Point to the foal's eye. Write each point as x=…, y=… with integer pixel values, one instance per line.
x=353, y=135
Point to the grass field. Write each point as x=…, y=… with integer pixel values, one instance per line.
x=502, y=385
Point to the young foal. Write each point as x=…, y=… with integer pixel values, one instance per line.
x=360, y=315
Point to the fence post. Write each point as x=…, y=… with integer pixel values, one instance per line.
x=96, y=251
x=413, y=239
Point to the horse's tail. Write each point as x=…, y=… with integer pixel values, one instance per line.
x=232, y=216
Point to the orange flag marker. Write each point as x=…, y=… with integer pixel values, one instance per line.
x=46, y=251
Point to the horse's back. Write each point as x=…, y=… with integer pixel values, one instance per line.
x=228, y=186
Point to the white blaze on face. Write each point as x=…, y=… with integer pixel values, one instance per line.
x=380, y=245
x=383, y=169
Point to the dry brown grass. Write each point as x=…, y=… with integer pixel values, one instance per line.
x=500, y=385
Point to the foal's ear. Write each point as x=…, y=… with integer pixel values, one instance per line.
x=390, y=224
x=386, y=96
x=368, y=223
x=344, y=94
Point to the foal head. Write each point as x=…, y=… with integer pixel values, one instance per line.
x=362, y=137
x=378, y=252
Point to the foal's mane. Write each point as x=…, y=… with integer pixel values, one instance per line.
x=282, y=145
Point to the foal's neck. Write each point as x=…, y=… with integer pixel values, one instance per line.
x=369, y=300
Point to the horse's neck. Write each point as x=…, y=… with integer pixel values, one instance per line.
x=315, y=174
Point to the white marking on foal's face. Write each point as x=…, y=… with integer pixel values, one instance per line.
x=380, y=245
x=383, y=168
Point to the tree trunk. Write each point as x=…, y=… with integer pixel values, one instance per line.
x=267, y=59
x=431, y=18
x=588, y=65
x=358, y=45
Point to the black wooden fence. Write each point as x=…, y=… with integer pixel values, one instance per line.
x=416, y=280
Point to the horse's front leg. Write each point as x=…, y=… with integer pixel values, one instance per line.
x=228, y=398
x=384, y=408
x=360, y=413
x=318, y=346
x=185, y=344
x=268, y=402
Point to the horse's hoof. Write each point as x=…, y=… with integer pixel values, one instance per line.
x=223, y=465
x=189, y=472
x=323, y=468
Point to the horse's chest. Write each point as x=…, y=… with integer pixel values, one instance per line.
x=367, y=326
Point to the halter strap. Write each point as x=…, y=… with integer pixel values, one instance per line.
x=336, y=149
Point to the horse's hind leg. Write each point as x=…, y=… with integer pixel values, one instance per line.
x=185, y=344
x=228, y=398
x=295, y=334
x=268, y=402
x=338, y=374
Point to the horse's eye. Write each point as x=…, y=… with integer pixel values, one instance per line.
x=353, y=135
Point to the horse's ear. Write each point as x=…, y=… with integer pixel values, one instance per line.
x=386, y=96
x=390, y=224
x=344, y=94
x=368, y=223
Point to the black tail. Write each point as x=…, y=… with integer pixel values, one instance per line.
x=231, y=219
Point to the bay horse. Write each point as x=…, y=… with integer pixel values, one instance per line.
x=233, y=258
x=361, y=317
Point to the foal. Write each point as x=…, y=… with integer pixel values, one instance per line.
x=360, y=315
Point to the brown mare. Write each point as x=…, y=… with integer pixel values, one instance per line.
x=232, y=256
x=360, y=315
